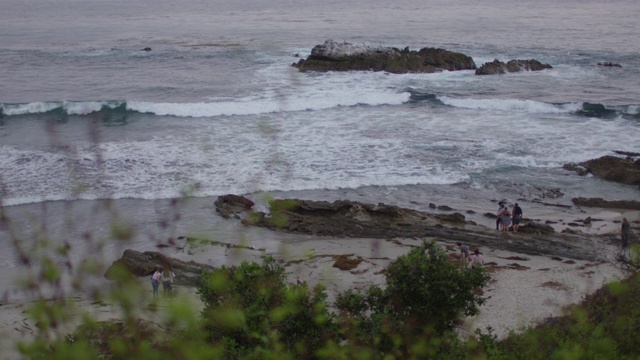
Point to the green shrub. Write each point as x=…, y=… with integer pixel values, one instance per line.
x=425, y=297
x=250, y=308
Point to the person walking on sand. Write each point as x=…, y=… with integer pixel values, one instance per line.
x=167, y=280
x=624, y=232
x=464, y=252
x=517, y=216
x=155, y=281
x=477, y=260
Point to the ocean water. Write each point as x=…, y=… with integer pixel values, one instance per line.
x=87, y=116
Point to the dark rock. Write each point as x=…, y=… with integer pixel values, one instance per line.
x=147, y=49
x=455, y=217
x=232, y=205
x=348, y=219
x=536, y=228
x=445, y=208
x=609, y=64
x=498, y=67
x=601, y=203
x=621, y=170
x=346, y=262
x=334, y=56
x=627, y=153
x=145, y=263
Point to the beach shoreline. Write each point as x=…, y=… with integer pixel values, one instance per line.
x=522, y=292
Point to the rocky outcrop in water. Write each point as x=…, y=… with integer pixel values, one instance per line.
x=348, y=219
x=612, y=168
x=334, y=56
x=499, y=67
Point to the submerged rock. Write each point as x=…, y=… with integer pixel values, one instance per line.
x=609, y=64
x=334, y=56
x=498, y=67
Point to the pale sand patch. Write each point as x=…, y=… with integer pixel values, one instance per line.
x=519, y=298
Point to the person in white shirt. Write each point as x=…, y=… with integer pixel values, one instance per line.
x=167, y=280
x=477, y=260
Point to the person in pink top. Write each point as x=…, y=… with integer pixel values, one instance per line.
x=155, y=281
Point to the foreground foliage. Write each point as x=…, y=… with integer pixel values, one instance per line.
x=425, y=297
x=250, y=312
x=253, y=312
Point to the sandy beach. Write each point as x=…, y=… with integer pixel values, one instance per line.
x=524, y=288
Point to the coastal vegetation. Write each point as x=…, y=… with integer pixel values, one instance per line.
x=251, y=312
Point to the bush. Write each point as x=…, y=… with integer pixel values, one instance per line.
x=250, y=308
x=425, y=297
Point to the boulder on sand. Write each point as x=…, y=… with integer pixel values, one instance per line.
x=145, y=263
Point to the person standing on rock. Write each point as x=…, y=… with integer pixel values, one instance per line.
x=505, y=219
x=501, y=207
x=517, y=216
x=624, y=232
x=155, y=281
x=167, y=280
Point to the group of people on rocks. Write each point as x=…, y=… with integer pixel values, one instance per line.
x=506, y=218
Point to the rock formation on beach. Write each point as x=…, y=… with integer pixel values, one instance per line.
x=605, y=204
x=145, y=263
x=349, y=219
x=499, y=67
x=334, y=56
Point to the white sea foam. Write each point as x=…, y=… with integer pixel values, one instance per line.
x=290, y=93
x=30, y=108
x=70, y=107
x=510, y=105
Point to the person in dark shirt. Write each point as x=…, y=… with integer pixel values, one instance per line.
x=624, y=232
x=464, y=253
x=517, y=216
x=501, y=207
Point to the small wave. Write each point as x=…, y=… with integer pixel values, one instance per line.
x=245, y=106
x=62, y=107
x=253, y=106
x=529, y=106
x=585, y=109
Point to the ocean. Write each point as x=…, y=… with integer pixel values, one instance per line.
x=90, y=120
